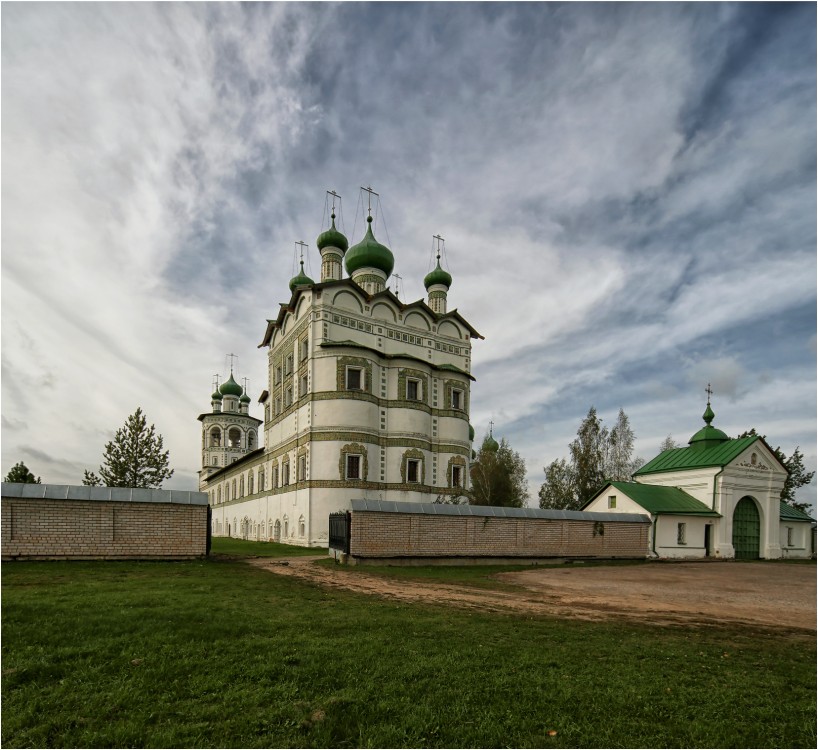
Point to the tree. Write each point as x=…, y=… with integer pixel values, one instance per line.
x=134, y=458
x=20, y=473
x=596, y=455
x=668, y=444
x=498, y=476
x=620, y=465
x=90, y=479
x=797, y=475
x=588, y=456
x=559, y=488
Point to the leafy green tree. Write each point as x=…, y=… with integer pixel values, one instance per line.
x=597, y=455
x=134, y=458
x=20, y=473
x=90, y=479
x=498, y=476
x=797, y=475
x=588, y=456
x=559, y=488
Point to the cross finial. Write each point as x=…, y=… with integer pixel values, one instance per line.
x=301, y=245
x=244, y=381
x=334, y=196
x=491, y=428
x=709, y=392
x=439, y=240
x=232, y=357
x=398, y=278
x=371, y=192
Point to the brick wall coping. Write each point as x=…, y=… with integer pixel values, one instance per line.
x=441, y=509
x=104, y=494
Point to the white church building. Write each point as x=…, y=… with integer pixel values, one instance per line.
x=367, y=398
x=718, y=497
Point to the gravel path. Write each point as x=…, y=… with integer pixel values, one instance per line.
x=769, y=595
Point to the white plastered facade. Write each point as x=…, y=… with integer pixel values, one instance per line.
x=403, y=418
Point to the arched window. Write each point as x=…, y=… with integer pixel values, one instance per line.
x=219, y=494
x=250, y=483
x=261, y=479
x=215, y=460
x=286, y=527
x=241, y=486
x=215, y=438
x=277, y=531
x=251, y=440
x=301, y=530
x=234, y=495
x=234, y=436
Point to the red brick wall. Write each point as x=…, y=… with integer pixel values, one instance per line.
x=59, y=529
x=415, y=535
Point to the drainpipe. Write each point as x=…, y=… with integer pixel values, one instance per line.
x=655, y=521
x=713, y=506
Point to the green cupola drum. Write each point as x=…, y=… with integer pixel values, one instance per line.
x=437, y=283
x=332, y=245
x=369, y=263
x=301, y=279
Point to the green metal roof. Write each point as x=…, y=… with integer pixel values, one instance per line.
x=332, y=238
x=438, y=276
x=369, y=253
x=662, y=500
x=698, y=456
x=788, y=513
x=231, y=387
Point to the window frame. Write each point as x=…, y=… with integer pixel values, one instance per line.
x=681, y=533
x=611, y=502
x=413, y=464
x=458, y=399
x=417, y=388
x=457, y=476
x=357, y=460
x=349, y=369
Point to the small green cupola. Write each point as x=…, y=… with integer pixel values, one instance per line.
x=301, y=279
x=332, y=238
x=437, y=283
x=490, y=444
x=708, y=436
x=245, y=399
x=437, y=276
x=230, y=387
x=369, y=254
x=216, y=396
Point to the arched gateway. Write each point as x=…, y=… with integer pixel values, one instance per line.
x=746, y=530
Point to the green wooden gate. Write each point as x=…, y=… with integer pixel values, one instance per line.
x=746, y=530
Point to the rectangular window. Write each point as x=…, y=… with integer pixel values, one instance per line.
x=413, y=470
x=681, y=533
x=353, y=467
x=355, y=379
x=789, y=536
x=302, y=386
x=289, y=369
x=457, y=399
x=288, y=397
x=457, y=476
x=302, y=468
x=278, y=375
x=412, y=390
x=275, y=476
x=278, y=405
x=612, y=501
x=305, y=348
x=285, y=474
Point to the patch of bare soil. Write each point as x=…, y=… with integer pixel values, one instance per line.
x=766, y=595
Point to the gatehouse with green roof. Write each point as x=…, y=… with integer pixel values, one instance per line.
x=717, y=497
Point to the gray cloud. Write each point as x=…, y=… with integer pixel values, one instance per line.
x=627, y=193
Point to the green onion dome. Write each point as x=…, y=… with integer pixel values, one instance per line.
x=438, y=276
x=490, y=444
x=301, y=279
x=471, y=433
x=230, y=387
x=245, y=399
x=369, y=253
x=216, y=396
x=332, y=238
x=708, y=435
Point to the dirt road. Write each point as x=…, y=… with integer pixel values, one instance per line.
x=770, y=595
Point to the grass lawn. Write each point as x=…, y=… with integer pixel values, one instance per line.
x=222, y=545
x=216, y=653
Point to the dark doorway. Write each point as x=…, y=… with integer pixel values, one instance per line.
x=746, y=530
x=707, y=528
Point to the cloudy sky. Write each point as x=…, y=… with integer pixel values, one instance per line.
x=627, y=192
